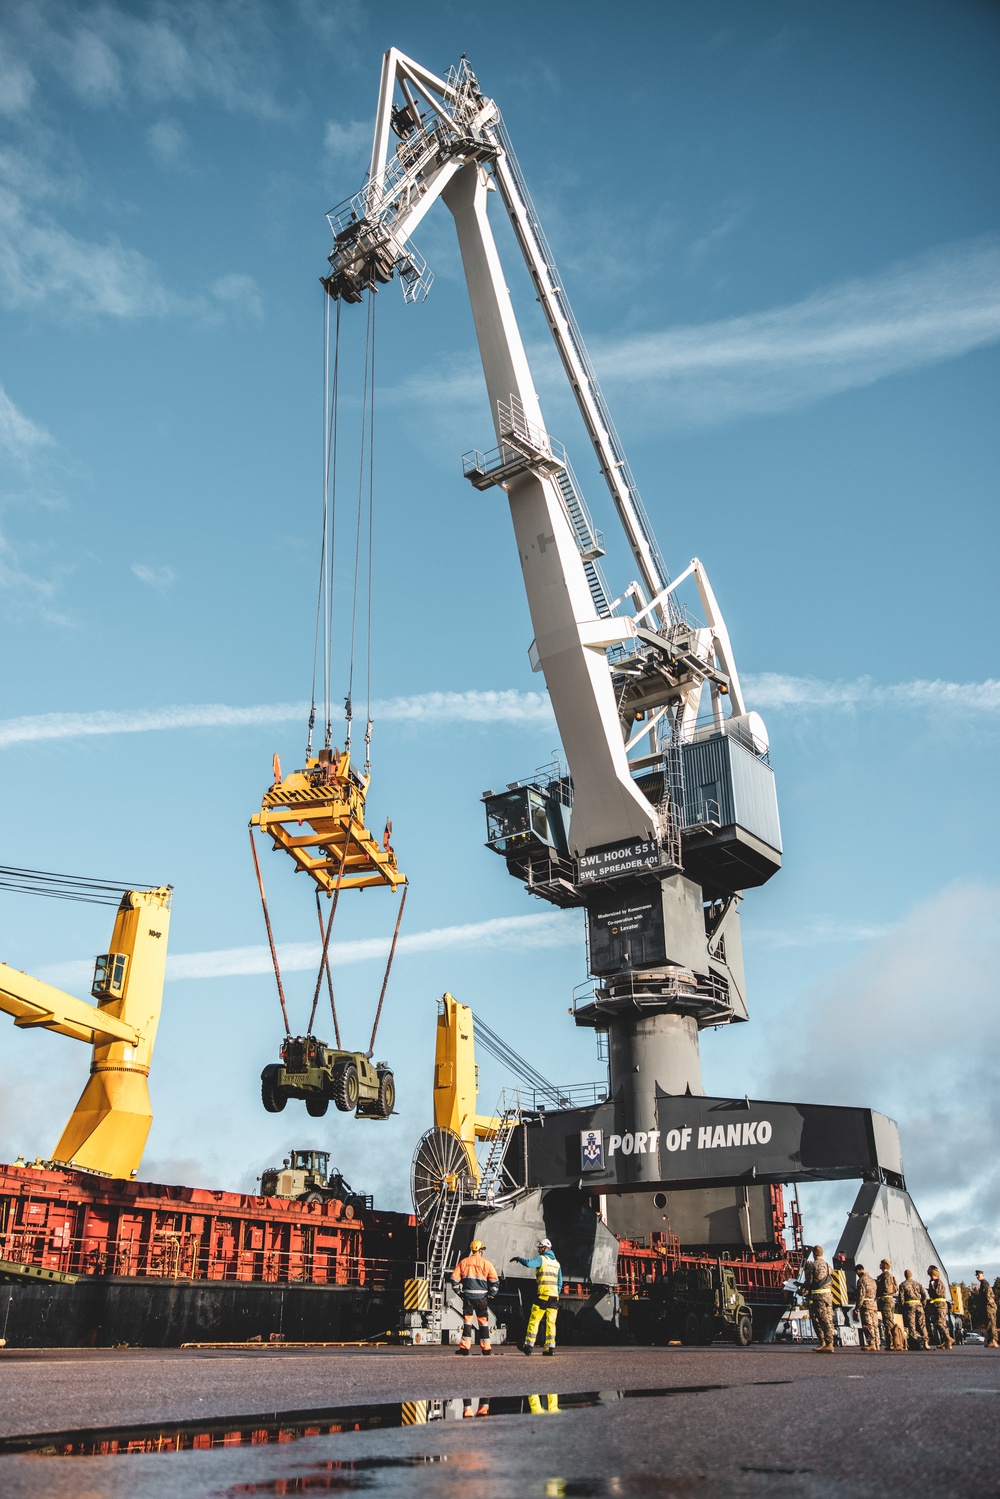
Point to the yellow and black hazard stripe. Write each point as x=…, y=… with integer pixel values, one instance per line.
x=416, y=1296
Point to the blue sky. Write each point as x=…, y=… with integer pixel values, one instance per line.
x=778, y=227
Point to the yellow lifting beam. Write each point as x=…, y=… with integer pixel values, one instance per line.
x=328, y=797
x=108, y=1128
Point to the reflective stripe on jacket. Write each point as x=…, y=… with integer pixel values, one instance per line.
x=819, y=1280
x=548, y=1275
x=475, y=1276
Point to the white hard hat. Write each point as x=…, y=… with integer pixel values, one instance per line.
x=545, y=1243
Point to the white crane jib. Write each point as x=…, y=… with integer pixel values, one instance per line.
x=446, y=130
x=625, y=687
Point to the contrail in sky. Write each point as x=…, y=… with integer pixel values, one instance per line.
x=765, y=690
x=912, y=314
x=548, y=929
x=432, y=708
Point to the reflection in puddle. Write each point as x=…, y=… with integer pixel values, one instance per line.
x=352, y=1477
x=290, y=1426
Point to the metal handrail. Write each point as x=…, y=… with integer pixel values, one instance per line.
x=186, y=1256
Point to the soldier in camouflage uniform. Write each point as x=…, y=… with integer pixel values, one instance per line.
x=937, y=1308
x=819, y=1289
x=866, y=1306
x=913, y=1296
x=886, y=1287
x=987, y=1310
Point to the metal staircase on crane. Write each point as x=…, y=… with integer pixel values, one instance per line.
x=491, y=1179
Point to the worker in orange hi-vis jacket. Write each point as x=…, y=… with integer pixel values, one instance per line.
x=478, y=1282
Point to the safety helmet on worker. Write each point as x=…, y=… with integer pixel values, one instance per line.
x=545, y=1243
x=477, y=1246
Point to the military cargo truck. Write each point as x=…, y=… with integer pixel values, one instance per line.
x=317, y=1073
x=694, y=1304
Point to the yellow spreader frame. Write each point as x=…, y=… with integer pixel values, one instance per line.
x=328, y=798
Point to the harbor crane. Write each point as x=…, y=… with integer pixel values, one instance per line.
x=667, y=813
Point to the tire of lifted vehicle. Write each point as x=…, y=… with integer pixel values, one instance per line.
x=744, y=1329
x=272, y=1100
x=346, y=1088
x=386, y=1094
x=317, y=1105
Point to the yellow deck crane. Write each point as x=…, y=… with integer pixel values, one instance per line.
x=106, y=1133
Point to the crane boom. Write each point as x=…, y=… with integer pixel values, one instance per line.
x=665, y=817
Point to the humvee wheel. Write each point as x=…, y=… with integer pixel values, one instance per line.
x=346, y=1088
x=317, y=1105
x=744, y=1329
x=691, y=1332
x=386, y=1094
x=707, y=1329
x=272, y=1100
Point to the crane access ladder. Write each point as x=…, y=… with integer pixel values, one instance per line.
x=427, y=1315
x=428, y=1294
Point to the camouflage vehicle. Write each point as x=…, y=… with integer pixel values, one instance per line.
x=311, y=1070
x=305, y=1176
x=697, y=1304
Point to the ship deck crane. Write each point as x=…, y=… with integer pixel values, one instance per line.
x=660, y=865
x=107, y=1131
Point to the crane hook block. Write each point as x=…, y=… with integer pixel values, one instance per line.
x=328, y=798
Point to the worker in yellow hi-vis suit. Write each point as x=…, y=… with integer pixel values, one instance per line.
x=548, y=1284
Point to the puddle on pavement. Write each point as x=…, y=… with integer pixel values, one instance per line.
x=335, y=1420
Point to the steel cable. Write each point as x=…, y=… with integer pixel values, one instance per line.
x=66, y=886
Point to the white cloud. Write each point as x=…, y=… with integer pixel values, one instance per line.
x=912, y=1028
x=776, y=690
x=17, y=85
x=549, y=929
x=154, y=577
x=434, y=708
x=167, y=142
x=22, y=594
x=94, y=69
x=20, y=437
x=347, y=141
x=819, y=931
x=112, y=54
x=239, y=292
x=913, y=314
x=42, y=262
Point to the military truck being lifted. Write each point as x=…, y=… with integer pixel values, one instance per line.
x=317, y=1073
x=305, y=1176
